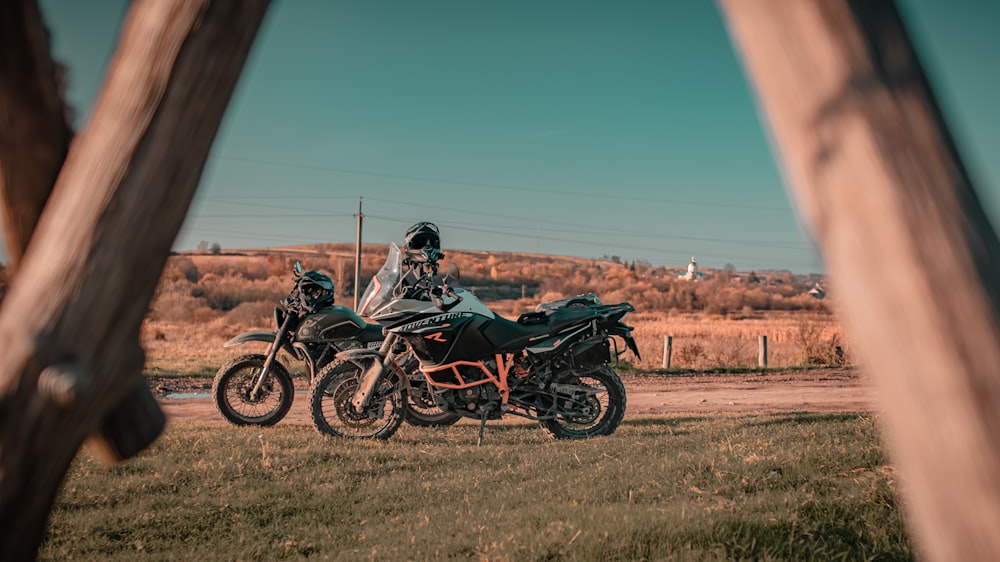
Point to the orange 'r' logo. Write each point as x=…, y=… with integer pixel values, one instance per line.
x=436, y=336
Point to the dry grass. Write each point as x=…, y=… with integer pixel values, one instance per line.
x=204, y=300
x=708, y=341
x=700, y=341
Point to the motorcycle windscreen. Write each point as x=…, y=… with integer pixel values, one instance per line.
x=380, y=289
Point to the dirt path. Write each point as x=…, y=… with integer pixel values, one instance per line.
x=822, y=391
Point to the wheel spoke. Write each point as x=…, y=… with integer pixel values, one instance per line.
x=233, y=387
x=597, y=410
x=334, y=414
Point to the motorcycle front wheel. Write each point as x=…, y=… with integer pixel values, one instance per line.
x=332, y=411
x=232, y=392
x=599, y=411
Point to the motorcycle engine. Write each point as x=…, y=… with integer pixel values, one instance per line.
x=472, y=401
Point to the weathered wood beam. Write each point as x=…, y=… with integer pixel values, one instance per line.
x=34, y=139
x=69, y=325
x=34, y=133
x=873, y=170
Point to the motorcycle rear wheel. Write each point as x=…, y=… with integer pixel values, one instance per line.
x=235, y=381
x=605, y=410
x=333, y=414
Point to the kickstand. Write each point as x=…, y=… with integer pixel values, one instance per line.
x=482, y=425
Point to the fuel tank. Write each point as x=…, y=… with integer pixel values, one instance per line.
x=335, y=323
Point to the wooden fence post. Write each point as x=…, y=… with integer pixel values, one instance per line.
x=668, y=350
x=762, y=352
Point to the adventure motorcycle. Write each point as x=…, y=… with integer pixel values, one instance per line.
x=552, y=365
x=256, y=389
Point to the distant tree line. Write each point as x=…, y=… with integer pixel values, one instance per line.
x=221, y=283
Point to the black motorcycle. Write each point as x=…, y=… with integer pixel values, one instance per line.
x=256, y=389
x=553, y=365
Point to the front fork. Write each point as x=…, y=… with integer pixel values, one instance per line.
x=373, y=376
x=272, y=352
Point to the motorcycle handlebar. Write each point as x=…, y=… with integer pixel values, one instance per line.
x=436, y=291
x=436, y=294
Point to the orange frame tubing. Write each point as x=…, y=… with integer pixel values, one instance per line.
x=503, y=369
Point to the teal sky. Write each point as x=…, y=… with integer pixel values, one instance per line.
x=562, y=127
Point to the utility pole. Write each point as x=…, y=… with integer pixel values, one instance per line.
x=357, y=256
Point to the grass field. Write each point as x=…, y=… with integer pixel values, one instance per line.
x=712, y=487
x=718, y=487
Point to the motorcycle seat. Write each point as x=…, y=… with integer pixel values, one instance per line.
x=566, y=317
x=507, y=334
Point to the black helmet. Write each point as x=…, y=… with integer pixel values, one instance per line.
x=423, y=242
x=315, y=291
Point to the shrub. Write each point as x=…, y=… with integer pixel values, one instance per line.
x=204, y=315
x=174, y=307
x=227, y=292
x=251, y=314
x=691, y=354
x=735, y=354
x=817, y=349
x=180, y=268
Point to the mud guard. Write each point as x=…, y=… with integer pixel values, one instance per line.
x=253, y=335
x=625, y=333
x=266, y=337
x=361, y=353
x=630, y=342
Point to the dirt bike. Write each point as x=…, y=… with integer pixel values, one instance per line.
x=257, y=389
x=552, y=365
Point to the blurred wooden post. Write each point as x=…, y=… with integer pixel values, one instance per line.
x=762, y=352
x=668, y=350
x=876, y=176
x=36, y=133
x=69, y=326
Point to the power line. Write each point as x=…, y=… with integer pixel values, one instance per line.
x=486, y=228
x=252, y=235
x=282, y=197
x=310, y=213
x=477, y=227
x=603, y=244
x=496, y=185
x=269, y=216
x=238, y=201
x=589, y=228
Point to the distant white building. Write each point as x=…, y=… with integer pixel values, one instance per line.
x=692, y=272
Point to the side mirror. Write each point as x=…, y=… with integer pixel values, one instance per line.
x=453, y=272
x=297, y=268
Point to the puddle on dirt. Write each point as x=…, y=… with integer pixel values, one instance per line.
x=190, y=395
x=186, y=395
